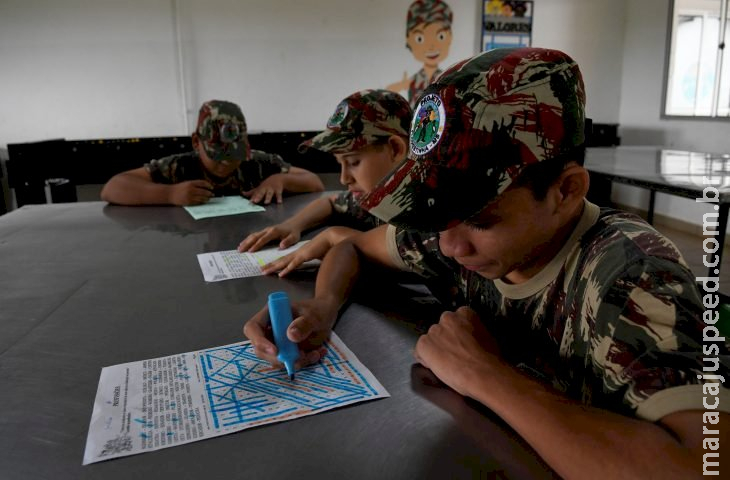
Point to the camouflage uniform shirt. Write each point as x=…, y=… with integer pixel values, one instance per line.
x=419, y=82
x=613, y=321
x=346, y=210
x=188, y=166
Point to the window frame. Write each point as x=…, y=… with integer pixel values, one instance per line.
x=721, y=60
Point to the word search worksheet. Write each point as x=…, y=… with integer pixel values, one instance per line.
x=229, y=264
x=163, y=402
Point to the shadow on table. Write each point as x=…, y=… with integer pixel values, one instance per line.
x=163, y=219
x=506, y=454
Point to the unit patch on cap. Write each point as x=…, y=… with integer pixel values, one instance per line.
x=338, y=116
x=427, y=124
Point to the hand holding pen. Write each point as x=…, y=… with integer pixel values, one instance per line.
x=310, y=328
x=191, y=192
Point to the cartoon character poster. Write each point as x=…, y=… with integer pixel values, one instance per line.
x=506, y=24
x=428, y=37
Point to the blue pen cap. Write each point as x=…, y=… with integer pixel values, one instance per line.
x=281, y=316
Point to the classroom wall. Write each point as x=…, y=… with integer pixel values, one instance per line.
x=80, y=69
x=641, y=105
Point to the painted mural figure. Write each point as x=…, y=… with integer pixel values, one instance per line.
x=428, y=37
x=423, y=126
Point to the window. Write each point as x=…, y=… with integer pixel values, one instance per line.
x=698, y=75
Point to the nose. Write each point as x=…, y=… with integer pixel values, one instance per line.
x=455, y=242
x=345, y=177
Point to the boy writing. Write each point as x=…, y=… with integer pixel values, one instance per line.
x=581, y=327
x=368, y=135
x=222, y=163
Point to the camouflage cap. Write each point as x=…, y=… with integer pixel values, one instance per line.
x=362, y=119
x=427, y=12
x=222, y=131
x=475, y=129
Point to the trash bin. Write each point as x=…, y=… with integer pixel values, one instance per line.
x=61, y=190
x=29, y=193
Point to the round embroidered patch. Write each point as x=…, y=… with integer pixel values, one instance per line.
x=427, y=124
x=338, y=116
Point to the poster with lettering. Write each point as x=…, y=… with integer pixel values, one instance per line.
x=506, y=24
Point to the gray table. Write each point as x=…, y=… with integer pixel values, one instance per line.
x=674, y=172
x=87, y=285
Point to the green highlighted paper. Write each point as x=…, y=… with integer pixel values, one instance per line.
x=220, y=206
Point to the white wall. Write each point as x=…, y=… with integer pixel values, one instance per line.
x=87, y=69
x=81, y=69
x=102, y=69
x=640, y=119
x=642, y=82
x=592, y=32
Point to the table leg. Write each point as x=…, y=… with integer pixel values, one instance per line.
x=650, y=212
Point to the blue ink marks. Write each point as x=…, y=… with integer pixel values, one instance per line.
x=244, y=391
x=144, y=423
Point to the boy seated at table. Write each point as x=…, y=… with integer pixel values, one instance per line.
x=368, y=135
x=581, y=327
x=221, y=163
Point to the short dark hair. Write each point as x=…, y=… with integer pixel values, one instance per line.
x=539, y=176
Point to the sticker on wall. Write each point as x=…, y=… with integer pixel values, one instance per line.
x=506, y=24
x=428, y=37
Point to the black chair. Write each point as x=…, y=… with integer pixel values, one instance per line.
x=601, y=135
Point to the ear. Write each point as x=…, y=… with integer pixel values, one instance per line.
x=571, y=188
x=399, y=147
x=195, y=139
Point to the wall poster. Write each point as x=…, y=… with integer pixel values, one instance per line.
x=506, y=24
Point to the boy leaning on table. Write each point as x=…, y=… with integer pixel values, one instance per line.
x=368, y=135
x=221, y=163
x=581, y=327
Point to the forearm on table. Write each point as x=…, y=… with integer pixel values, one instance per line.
x=338, y=273
x=299, y=180
x=124, y=189
x=313, y=215
x=337, y=234
x=579, y=441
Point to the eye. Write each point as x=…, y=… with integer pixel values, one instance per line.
x=353, y=163
x=441, y=36
x=482, y=222
x=419, y=38
x=480, y=227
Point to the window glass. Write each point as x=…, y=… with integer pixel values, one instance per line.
x=698, y=77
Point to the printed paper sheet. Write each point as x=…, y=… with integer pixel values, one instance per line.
x=220, y=206
x=163, y=402
x=228, y=264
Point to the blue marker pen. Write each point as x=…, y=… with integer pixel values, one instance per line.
x=280, y=315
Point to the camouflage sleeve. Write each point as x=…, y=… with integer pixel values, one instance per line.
x=418, y=252
x=260, y=166
x=163, y=170
x=650, y=349
x=269, y=163
x=346, y=210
